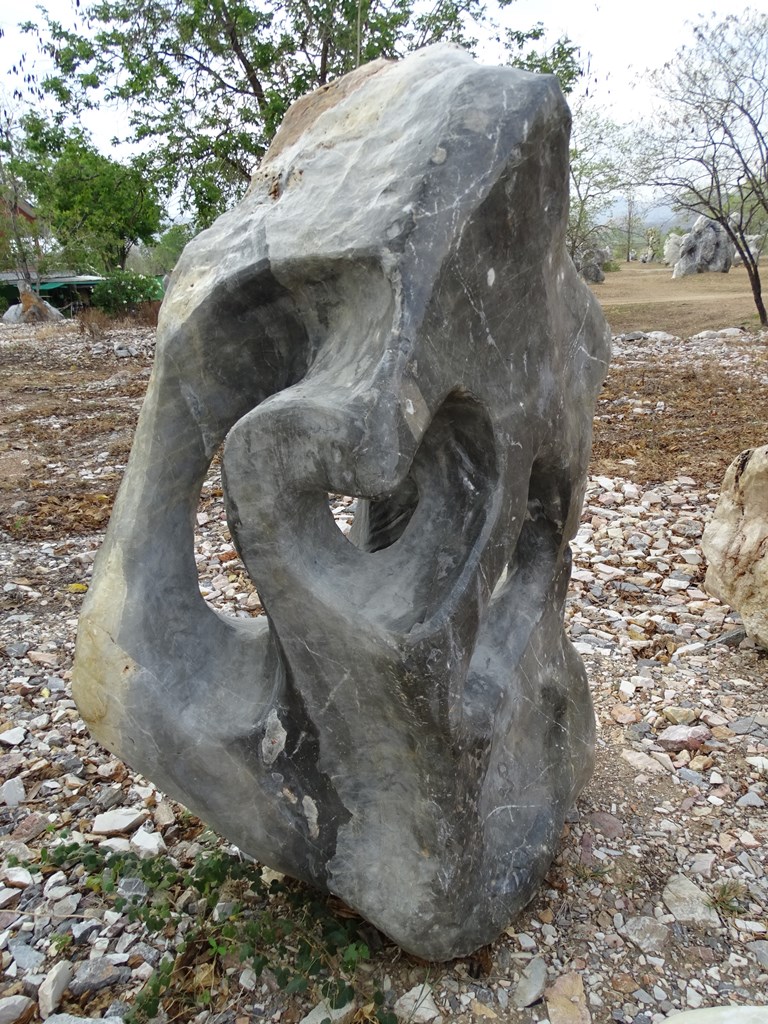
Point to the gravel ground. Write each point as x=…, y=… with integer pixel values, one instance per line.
x=658, y=898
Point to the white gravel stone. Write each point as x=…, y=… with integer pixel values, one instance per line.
x=12, y=793
x=147, y=844
x=530, y=987
x=53, y=987
x=417, y=1005
x=688, y=904
x=323, y=1011
x=13, y=737
x=15, y=1009
x=119, y=820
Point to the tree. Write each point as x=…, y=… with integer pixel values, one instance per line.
x=708, y=146
x=19, y=244
x=163, y=255
x=207, y=82
x=599, y=174
x=96, y=208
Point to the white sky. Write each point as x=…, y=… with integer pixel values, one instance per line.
x=622, y=39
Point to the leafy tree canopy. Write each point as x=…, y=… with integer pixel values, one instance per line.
x=207, y=82
x=162, y=256
x=95, y=208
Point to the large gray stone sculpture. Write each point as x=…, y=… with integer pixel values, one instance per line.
x=705, y=249
x=390, y=313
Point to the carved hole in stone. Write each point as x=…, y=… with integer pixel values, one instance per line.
x=542, y=530
x=379, y=524
x=343, y=508
x=223, y=580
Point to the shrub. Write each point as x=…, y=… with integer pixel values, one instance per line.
x=123, y=292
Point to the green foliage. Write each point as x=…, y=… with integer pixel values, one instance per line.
x=163, y=256
x=124, y=291
x=209, y=81
x=19, y=237
x=60, y=941
x=220, y=912
x=96, y=208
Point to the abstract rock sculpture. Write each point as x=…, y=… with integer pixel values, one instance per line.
x=31, y=309
x=735, y=542
x=672, y=248
x=390, y=313
x=705, y=249
x=755, y=245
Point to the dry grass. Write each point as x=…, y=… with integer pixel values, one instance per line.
x=644, y=297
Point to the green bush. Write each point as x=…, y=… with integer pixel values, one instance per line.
x=123, y=292
x=4, y=304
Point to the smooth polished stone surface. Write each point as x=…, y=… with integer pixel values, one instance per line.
x=390, y=313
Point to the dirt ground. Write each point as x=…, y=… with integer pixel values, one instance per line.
x=60, y=409
x=644, y=297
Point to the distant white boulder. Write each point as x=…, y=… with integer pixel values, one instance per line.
x=672, y=248
x=705, y=249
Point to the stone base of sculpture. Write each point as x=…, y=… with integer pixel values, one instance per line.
x=390, y=313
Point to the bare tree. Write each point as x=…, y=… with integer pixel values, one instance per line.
x=707, y=147
x=597, y=179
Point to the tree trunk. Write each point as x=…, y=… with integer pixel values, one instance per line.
x=750, y=264
x=757, y=294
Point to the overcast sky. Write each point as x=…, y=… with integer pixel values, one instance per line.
x=621, y=39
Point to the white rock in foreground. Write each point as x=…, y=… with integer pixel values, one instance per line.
x=147, y=844
x=53, y=987
x=16, y=1009
x=323, y=1011
x=735, y=542
x=688, y=904
x=724, y=1015
x=121, y=819
x=417, y=1005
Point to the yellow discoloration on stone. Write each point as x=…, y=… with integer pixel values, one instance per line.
x=103, y=671
x=99, y=684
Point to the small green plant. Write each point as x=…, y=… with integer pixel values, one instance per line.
x=124, y=291
x=219, y=912
x=59, y=942
x=729, y=897
x=19, y=523
x=589, y=872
